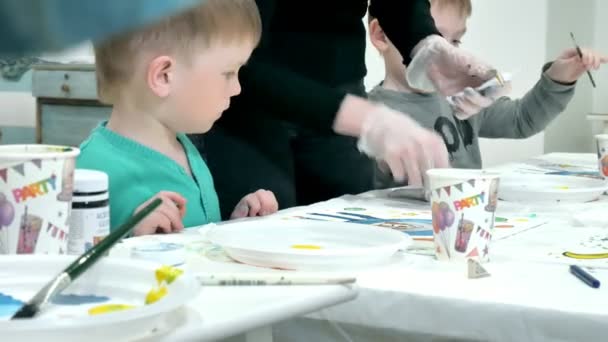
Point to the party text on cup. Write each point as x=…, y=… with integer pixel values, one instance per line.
x=469, y=202
x=35, y=189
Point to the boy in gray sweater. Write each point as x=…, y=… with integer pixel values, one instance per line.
x=473, y=115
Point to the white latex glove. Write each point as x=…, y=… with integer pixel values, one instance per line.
x=407, y=148
x=471, y=101
x=439, y=66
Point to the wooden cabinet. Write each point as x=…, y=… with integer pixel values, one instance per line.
x=67, y=108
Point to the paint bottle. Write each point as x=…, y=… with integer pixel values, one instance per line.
x=90, y=217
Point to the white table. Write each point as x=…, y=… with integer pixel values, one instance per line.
x=528, y=297
x=419, y=298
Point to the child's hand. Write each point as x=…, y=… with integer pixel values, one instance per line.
x=259, y=203
x=167, y=218
x=568, y=67
x=471, y=102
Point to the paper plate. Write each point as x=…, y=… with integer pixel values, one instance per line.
x=550, y=188
x=111, y=281
x=308, y=245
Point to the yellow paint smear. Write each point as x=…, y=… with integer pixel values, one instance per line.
x=155, y=295
x=167, y=274
x=309, y=247
x=586, y=256
x=108, y=308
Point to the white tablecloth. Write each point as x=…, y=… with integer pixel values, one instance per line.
x=530, y=295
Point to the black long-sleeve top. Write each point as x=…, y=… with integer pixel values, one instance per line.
x=309, y=47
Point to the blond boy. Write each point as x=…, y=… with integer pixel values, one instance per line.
x=165, y=81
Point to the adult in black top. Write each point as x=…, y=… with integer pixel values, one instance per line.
x=298, y=92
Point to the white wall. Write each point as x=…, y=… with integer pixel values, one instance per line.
x=511, y=36
x=571, y=132
x=600, y=99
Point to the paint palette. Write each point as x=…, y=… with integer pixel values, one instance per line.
x=550, y=188
x=308, y=245
x=106, y=303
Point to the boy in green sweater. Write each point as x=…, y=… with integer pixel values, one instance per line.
x=165, y=81
x=473, y=115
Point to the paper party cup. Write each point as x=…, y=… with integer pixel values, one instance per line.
x=602, y=154
x=463, y=203
x=36, y=184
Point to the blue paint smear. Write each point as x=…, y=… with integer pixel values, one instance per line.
x=410, y=226
x=9, y=305
x=73, y=299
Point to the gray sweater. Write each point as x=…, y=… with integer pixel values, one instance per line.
x=506, y=118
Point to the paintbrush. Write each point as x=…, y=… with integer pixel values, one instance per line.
x=580, y=54
x=81, y=265
x=270, y=279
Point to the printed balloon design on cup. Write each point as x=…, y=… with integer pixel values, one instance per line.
x=7, y=211
x=443, y=217
x=604, y=163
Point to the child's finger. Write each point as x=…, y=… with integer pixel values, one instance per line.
x=146, y=226
x=241, y=210
x=169, y=210
x=154, y=222
x=597, y=61
x=587, y=59
x=568, y=53
x=163, y=224
x=178, y=199
x=590, y=63
x=268, y=202
x=274, y=204
x=476, y=98
x=465, y=106
x=254, y=204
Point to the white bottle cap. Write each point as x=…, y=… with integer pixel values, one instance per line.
x=171, y=254
x=90, y=181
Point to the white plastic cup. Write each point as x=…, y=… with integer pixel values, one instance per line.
x=463, y=203
x=36, y=183
x=602, y=154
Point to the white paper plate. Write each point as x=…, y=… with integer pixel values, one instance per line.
x=111, y=281
x=550, y=188
x=292, y=244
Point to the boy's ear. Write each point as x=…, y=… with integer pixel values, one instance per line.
x=160, y=75
x=377, y=36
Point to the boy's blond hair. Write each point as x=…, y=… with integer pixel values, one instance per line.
x=214, y=21
x=464, y=7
